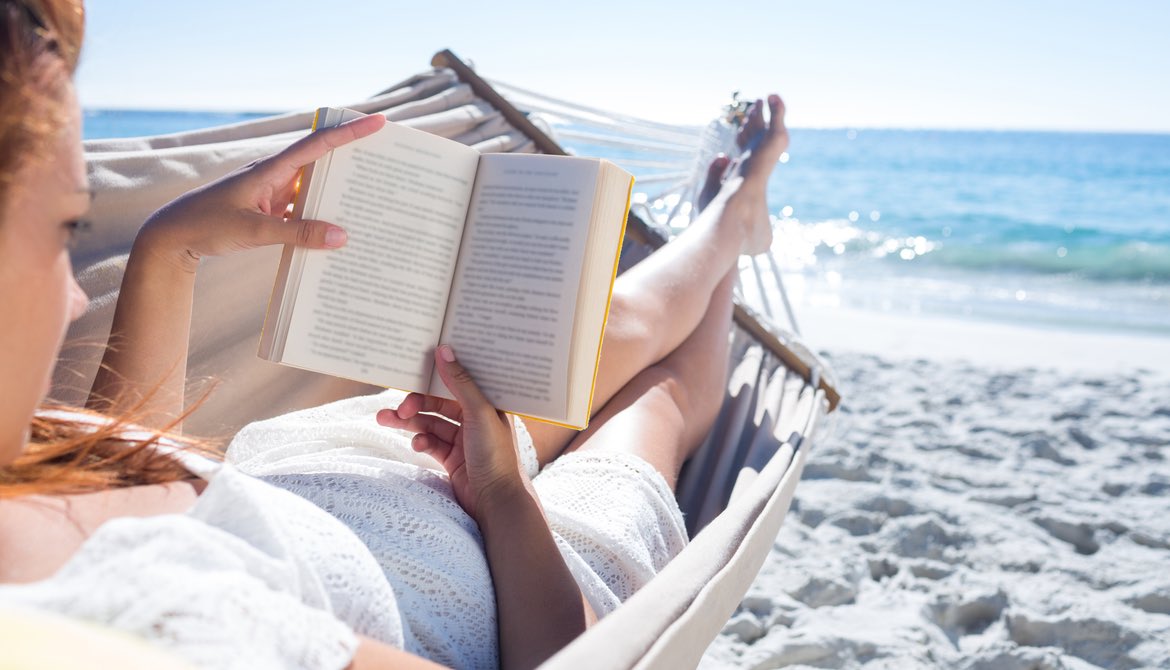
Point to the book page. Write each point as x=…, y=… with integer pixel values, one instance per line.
x=512, y=308
x=372, y=310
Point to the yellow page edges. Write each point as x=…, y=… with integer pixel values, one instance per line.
x=605, y=320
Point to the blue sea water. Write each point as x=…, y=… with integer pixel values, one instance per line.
x=108, y=123
x=1065, y=229
x=1068, y=230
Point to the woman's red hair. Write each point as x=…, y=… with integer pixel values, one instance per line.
x=40, y=42
x=76, y=451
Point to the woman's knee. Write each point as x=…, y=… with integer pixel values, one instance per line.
x=698, y=383
x=631, y=319
x=683, y=409
x=652, y=417
x=691, y=402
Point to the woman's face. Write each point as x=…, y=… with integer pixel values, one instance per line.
x=38, y=294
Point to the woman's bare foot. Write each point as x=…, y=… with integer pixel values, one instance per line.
x=741, y=191
x=714, y=181
x=762, y=146
x=752, y=128
x=746, y=138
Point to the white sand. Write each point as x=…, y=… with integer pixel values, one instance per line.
x=977, y=513
x=986, y=343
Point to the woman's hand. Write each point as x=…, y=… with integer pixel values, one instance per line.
x=539, y=605
x=145, y=368
x=474, y=441
x=246, y=209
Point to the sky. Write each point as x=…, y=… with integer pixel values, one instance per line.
x=993, y=64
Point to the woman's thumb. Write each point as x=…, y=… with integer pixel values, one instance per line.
x=459, y=382
x=302, y=233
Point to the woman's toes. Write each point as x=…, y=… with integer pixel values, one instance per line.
x=776, y=106
x=714, y=180
x=766, y=150
x=752, y=126
x=776, y=127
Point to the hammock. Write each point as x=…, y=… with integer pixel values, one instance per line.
x=737, y=488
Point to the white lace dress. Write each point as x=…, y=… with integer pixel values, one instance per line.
x=253, y=577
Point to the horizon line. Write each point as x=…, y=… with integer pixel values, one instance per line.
x=844, y=128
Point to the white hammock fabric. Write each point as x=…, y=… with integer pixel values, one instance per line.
x=133, y=177
x=750, y=464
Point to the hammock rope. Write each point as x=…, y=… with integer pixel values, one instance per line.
x=673, y=158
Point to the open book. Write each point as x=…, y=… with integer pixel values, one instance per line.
x=509, y=258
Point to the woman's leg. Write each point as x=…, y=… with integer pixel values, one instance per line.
x=659, y=302
x=663, y=414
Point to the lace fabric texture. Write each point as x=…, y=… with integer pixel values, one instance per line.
x=613, y=516
x=254, y=577
x=251, y=577
x=615, y=520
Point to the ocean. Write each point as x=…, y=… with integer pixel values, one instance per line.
x=108, y=123
x=1059, y=230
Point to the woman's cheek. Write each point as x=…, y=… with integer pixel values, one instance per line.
x=69, y=304
x=78, y=300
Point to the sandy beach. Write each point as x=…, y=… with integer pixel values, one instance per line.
x=988, y=496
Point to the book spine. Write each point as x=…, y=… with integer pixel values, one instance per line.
x=608, y=301
x=288, y=275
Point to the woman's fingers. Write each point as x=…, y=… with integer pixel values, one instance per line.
x=417, y=402
x=302, y=233
x=433, y=447
x=462, y=386
x=277, y=175
x=410, y=405
x=419, y=423
x=283, y=167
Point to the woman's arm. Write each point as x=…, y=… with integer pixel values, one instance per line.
x=539, y=605
x=144, y=369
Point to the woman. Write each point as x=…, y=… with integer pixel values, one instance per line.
x=487, y=564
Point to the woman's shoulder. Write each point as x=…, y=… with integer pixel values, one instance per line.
x=61, y=524
x=182, y=585
x=248, y=565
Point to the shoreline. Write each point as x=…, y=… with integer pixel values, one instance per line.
x=901, y=337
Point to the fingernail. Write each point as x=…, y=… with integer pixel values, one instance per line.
x=447, y=353
x=335, y=237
